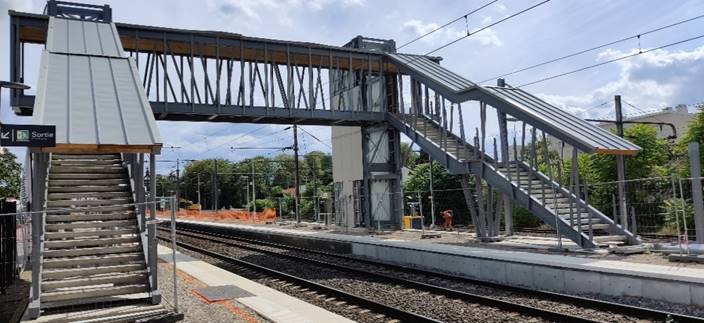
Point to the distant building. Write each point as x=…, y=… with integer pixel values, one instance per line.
x=678, y=116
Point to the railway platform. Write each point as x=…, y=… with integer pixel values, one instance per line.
x=672, y=283
x=221, y=286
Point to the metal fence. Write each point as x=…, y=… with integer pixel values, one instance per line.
x=9, y=270
x=658, y=207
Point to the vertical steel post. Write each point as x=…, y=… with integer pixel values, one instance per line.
x=696, y=171
x=621, y=167
x=677, y=218
x=151, y=233
x=173, y=251
x=295, y=157
x=432, y=202
x=254, y=193
x=578, y=205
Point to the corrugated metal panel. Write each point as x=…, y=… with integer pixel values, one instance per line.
x=563, y=122
x=69, y=36
x=433, y=71
x=94, y=100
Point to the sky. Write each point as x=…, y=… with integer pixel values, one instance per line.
x=650, y=81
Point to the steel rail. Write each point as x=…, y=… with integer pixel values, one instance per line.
x=351, y=298
x=466, y=296
x=630, y=310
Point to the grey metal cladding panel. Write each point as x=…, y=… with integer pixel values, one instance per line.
x=81, y=111
x=563, y=121
x=139, y=124
x=109, y=120
x=601, y=138
x=594, y=134
x=433, y=70
x=560, y=126
x=54, y=102
x=53, y=75
x=69, y=36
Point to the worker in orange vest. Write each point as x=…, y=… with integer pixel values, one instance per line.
x=447, y=216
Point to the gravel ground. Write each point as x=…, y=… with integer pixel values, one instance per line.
x=520, y=298
x=197, y=310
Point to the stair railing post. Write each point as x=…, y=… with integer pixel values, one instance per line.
x=532, y=165
x=462, y=134
x=515, y=161
x=443, y=132
x=173, y=251
x=402, y=105
x=554, y=190
x=573, y=170
x=586, y=203
x=575, y=164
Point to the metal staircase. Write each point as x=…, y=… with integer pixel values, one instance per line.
x=92, y=250
x=553, y=203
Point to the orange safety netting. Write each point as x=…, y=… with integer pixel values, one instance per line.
x=268, y=215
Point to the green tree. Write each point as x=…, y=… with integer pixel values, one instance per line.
x=694, y=133
x=409, y=158
x=10, y=174
x=446, y=187
x=651, y=161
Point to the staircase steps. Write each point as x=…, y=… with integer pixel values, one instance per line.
x=85, y=195
x=86, y=176
x=547, y=199
x=89, y=182
x=62, y=244
x=95, y=261
x=91, y=251
x=53, y=236
x=134, y=278
x=89, y=293
x=85, y=203
x=107, y=213
x=84, y=189
x=138, y=312
x=84, y=272
x=92, y=247
x=90, y=224
x=87, y=169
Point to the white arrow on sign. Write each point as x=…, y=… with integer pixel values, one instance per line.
x=5, y=135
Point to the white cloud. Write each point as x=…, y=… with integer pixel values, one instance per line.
x=487, y=37
x=649, y=81
x=487, y=20
x=272, y=10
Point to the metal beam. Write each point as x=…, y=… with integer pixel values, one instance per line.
x=212, y=44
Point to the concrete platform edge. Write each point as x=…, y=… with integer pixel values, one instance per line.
x=563, y=274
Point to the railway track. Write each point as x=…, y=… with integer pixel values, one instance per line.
x=530, y=303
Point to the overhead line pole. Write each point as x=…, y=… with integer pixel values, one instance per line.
x=621, y=167
x=297, y=180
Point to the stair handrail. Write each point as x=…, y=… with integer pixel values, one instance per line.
x=140, y=209
x=38, y=226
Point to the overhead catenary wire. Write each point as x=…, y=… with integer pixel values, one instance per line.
x=238, y=137
x=447, y=24
x=640, y=52
x=468, y=34
x=314, y=137
x=636, y=36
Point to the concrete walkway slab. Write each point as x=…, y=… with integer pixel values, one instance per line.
x=267, y=302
